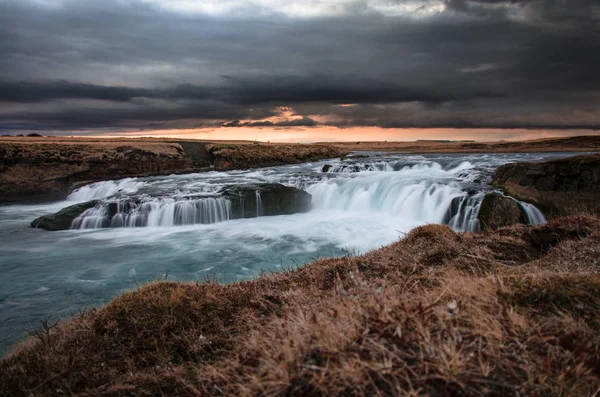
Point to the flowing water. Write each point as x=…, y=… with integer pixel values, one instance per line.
x=181, y=225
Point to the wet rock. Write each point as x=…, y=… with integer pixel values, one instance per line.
x=452, y=210
x=275, y=199
x=497, y=211
x=62, y=219
x=326, y=168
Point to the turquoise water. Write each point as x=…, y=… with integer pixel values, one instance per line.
x=56, y=274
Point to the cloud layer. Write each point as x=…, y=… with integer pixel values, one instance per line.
x=75, y=65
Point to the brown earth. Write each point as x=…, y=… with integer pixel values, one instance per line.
x=589, y=143
x=558, y=187
x=43, y=168
x=47, y=168
x=511, y=312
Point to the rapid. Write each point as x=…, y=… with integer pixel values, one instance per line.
x=181, y=226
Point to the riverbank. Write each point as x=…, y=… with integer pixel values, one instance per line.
x=559, y=187
x=507, y=312
x=589, y=143
x=42, y=169
x=47, y=168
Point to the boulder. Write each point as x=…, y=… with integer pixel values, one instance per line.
x=497, y=211
x=275, y=199
x=62, y=219
x=326, y=168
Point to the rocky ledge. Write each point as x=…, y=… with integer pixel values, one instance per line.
x=272, y=199
x=63, y=219
x=558, y=187
x=48, y=168
x=246, y=202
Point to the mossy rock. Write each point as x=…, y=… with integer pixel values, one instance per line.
x=498, y=211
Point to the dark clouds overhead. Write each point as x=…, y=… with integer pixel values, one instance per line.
x=68, y=65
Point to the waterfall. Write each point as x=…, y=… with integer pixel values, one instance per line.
x=395, y=166
x=156, y=212
x=100, y=190
x=361, y=167
x=412, y=189
x=534, y=215
x=259, y=206
x=463, y=213
x=423, y=202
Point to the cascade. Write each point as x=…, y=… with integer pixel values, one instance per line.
x=534, y=215
x=415, y=190
x=100, y=190
x=463, y=213
x=259, y=205
x=424, y=202
x=156, y=212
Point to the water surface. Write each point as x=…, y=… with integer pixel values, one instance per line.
x=359, y=205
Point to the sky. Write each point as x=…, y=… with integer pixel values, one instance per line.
x=301, y=70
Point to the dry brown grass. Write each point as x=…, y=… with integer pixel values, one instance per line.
x=265, y=155
x=508, y=312
x=46, y=168
x=570, y=144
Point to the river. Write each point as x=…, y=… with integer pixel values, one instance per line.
x=358, y=205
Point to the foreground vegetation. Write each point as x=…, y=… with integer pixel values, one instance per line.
x=506, y=312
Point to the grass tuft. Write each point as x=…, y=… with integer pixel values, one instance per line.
x=511, y=312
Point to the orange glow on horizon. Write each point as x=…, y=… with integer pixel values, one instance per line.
x=335, y=134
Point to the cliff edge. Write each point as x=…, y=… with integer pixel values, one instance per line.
x=557, y=187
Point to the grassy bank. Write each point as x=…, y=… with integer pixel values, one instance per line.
x=508, y=312
x=47, y=168
x=589, y=143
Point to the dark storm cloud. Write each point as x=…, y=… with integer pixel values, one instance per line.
x=299, y=122
x=132, y=65
x=37, y=92
x=286, y=89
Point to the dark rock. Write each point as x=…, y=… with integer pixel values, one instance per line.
x=573, y=174
x=453, y=209
x=276, y=199
x=326, y=168
x=559, y=187
x=62, y=219
x=497, y=211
